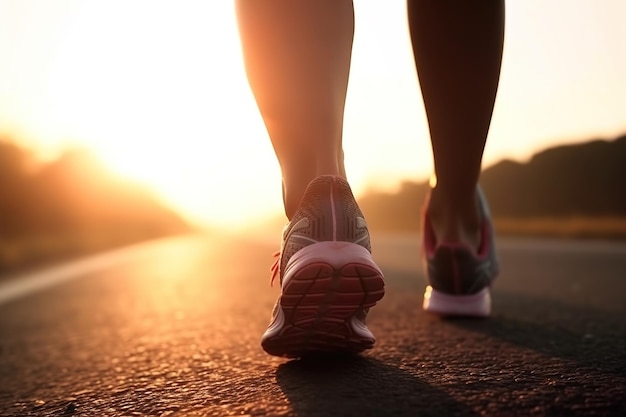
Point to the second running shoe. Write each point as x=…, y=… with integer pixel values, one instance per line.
x=460, y=278
x=327, y=276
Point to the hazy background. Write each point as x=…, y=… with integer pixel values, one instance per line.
x=157, y=91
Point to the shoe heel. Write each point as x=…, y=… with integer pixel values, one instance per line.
x=326, y=289
x=473, y=305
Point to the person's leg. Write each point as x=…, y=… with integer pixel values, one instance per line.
x=297, y=56
x=458, y=51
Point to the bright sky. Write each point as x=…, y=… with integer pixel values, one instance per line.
x=157, y=89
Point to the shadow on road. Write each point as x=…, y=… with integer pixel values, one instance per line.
x=591, y=338
x=361, y=386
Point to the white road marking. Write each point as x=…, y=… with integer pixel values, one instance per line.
x=18, y=286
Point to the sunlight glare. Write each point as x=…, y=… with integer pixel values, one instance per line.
x=170, y=108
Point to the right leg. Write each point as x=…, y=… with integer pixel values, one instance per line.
x=458, y=51
x=297, y=55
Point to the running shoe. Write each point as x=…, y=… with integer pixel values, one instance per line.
x=460, y=278
x=327, y=276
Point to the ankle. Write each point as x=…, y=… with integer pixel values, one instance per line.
x=454, y=218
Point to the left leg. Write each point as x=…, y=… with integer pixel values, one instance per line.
x=297, y=55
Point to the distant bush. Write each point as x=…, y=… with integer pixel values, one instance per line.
x=581, y=181
x=69, y=206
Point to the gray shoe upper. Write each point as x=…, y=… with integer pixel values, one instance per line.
x=459, y=270
x=327, y=212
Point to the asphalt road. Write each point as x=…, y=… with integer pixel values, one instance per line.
x=173, y=328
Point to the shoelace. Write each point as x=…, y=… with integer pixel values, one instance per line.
x=275, y=269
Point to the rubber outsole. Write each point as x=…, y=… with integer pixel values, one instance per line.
x=321, y=309
x=474, y=305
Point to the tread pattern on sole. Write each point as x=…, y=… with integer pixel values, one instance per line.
x=320, y=310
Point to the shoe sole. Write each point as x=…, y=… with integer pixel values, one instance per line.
x=474, y=305
x=325, y=286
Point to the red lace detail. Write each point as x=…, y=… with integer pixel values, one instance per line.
x=275, y=269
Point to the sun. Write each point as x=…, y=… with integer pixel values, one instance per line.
x=158, y=90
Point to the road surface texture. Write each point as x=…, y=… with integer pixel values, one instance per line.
x=172, y=328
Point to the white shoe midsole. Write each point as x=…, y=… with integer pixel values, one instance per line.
x=335, y=254
x=478, y=304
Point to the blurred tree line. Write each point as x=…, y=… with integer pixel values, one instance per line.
x=585, y=180
x=70, y=206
